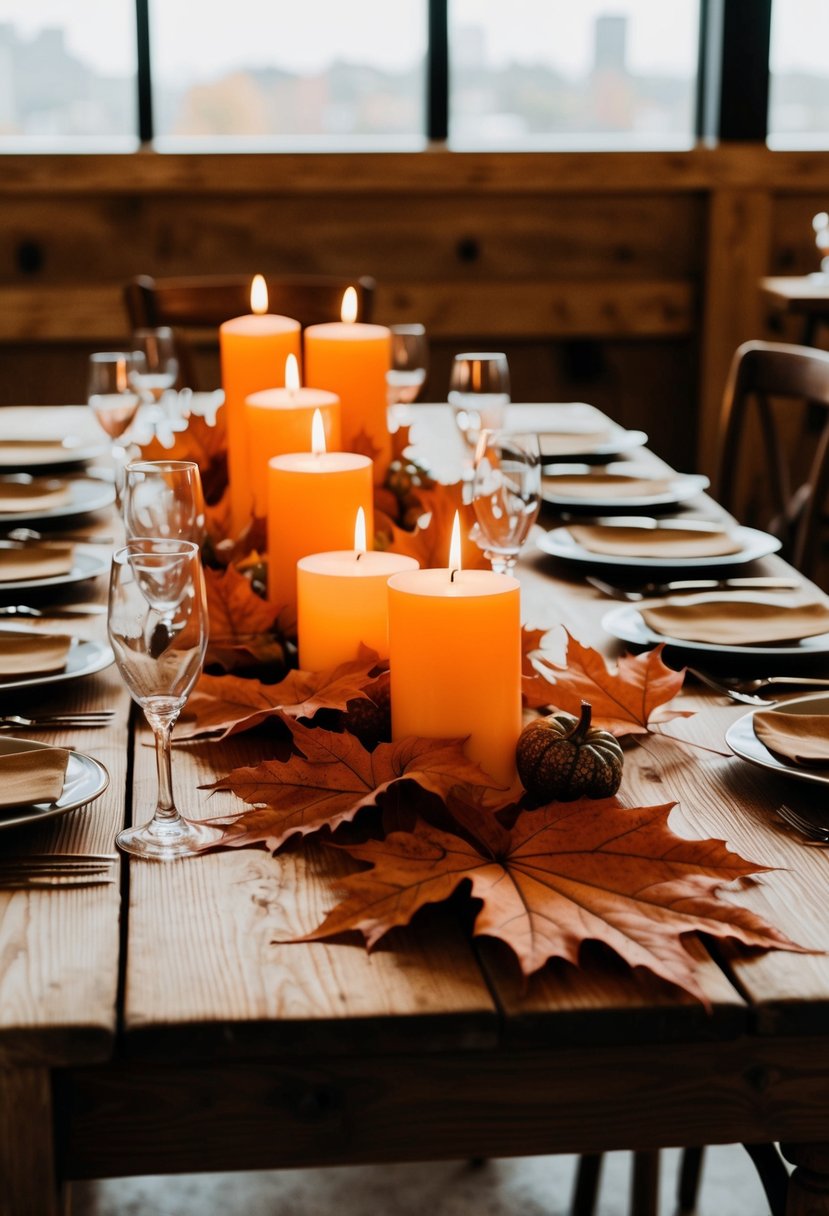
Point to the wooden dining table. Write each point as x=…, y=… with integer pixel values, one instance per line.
x=161, y=1023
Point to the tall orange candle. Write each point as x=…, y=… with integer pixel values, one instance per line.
x=455, y=661
x=351, y=359
x=342, y=601
x=278, y=421
x=313, y=499
x=253, y=353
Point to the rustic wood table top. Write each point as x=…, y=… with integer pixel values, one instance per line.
x=159, y=1025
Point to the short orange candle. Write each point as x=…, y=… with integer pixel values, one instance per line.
x=313, y=499
x=351, y=359
x=253, y=353
x=279, y=421
x=455, y=660
x=355, y=583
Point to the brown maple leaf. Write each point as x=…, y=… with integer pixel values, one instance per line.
x=429, y=543
x=627, y=701
x=363, y=444
x=230, y=705
x=400, y=441
x=331, y=778
x=531, y=640
x=206, y=444
x=563, y=875
x=244, y=629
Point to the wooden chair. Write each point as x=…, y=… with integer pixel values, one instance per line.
x=788, y=386
x=195, y=307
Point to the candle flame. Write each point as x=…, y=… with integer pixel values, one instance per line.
x=258, y=295
x=455, y=548
x=317, y=434
x=348, y=312
x=360, y=531
x=291, y=374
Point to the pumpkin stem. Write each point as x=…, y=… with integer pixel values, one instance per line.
x=583, y=725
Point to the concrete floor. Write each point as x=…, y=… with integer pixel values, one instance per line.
x=528, y=1186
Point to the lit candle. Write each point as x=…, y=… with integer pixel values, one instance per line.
x=342, y=600
x=279, y=421
x=313, y=499
x=351, y=359
x=253, y=353
x=455, y=659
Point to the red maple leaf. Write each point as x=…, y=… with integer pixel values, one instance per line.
x=331, y=777
x=429, y=542
x=563, y=875
x=627, y=701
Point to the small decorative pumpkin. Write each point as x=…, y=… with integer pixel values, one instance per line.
x=564, y=758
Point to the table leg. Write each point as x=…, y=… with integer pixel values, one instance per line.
x=809, y=1184
x=27, y=1164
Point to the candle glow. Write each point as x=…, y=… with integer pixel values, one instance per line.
x=348, y=310
x=258, y=295
x=317, y=435
x=360, y=532
x=455, y=549
x=292, y=374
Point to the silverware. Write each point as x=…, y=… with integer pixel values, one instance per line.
x=633, y=595
x=47, y=869
x=816, y=833
x=46, y=613
x=101, y=717
x=52, y=881
x=58, y=859
x=24, y=535
x=743, y=690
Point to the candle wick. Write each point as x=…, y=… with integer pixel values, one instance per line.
x=359, y=555
x=452, y=575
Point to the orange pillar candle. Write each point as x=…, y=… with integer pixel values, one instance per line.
x=455, y=659
x=279, y=421
x=313, y=499
x=351, y=359
x=342, y=601
x=253, y=353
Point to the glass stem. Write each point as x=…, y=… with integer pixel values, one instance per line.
x=165, y=807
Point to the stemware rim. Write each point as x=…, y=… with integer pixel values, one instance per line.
x=142, y=466
x=109, y=356
x=414, y=328
x=141, y=546
x=481, y=354
x=143, y=330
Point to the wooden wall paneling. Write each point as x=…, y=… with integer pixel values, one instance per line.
x=738, y=245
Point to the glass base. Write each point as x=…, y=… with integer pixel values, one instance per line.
x=167, y=839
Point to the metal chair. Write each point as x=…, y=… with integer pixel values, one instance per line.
x=194, y=307
x=788, y=386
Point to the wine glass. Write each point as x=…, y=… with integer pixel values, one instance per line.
x=506, y=494
x=409, y=363
x=158, y=630
x=164, y=498
x=114, y=401
x=479, y=393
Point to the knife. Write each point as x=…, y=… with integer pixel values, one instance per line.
x=760, y=583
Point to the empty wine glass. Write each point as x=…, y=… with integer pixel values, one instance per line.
x=114, y=401
x=506, y=494
x=409, y=363
x=155, y=362
x=479, y=393
x=158, y=630
x=164, y=498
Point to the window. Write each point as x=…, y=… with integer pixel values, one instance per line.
x=67, y=75
x=314, y=75
x=597, y=73
x=799, y=85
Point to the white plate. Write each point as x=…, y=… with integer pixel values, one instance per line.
x=85, y=494
x=71, y=450
x=624, y=622
x=84, y=659
x=615, y=444
x=742, y=740
x=85, y=779
x=560, y=543
x=681, y=488
x=86, y=564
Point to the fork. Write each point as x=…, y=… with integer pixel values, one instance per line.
x=24, y=535
x=815, y=833
x=46, y=613
x=633, y=595
x=742, y=691
x=99, y=717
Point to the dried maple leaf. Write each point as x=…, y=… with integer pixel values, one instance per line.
x=230, y=705
x=363, y=444
x=331, y=778
x=531, y=640
x=400, y=441
x=429, y=544
x=245, y=630
x=626, y=701
x=206, y=444
x=563, y=875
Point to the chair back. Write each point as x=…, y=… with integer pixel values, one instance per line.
x=195, y=307
x=786, y=388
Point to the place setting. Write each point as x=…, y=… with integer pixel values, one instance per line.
x=618, y=486
x=790, y=738
x=573, y=430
